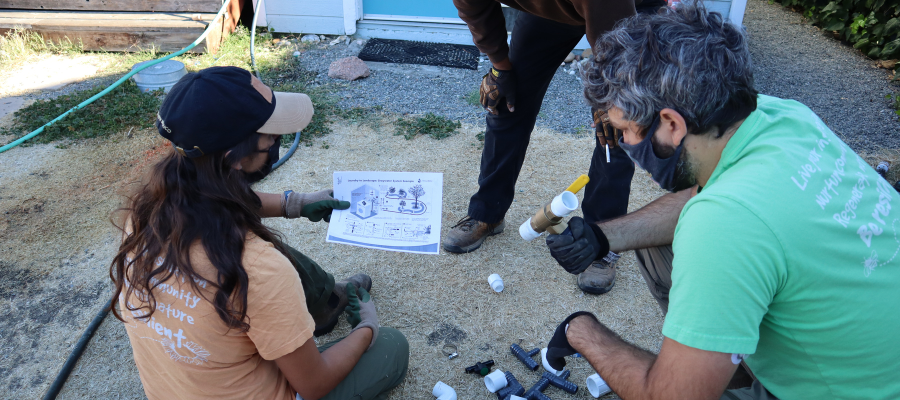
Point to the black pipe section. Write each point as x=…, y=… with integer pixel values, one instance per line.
x=67, y=368
x=537, y=396
x=538, y=387
x=481, y=368
x=513, y=387
x=525, y=357
x=561, y=382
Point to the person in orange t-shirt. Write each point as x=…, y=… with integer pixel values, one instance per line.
x=214, y=303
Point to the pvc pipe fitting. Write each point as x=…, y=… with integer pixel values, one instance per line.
x=525, y=357
x=546, y=364
x=496, y=282
x=549, y=216
x=513, y=387
x=481, y=368
x=597, y=386
x=443, y=391
x=535, y=391
x=495, y=381
x=563, y=204
x=561, y=382
x=537, y=396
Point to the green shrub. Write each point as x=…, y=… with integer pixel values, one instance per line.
x=436, y=126
x=872, y=26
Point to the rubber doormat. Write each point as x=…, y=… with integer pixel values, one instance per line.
x=409, y=52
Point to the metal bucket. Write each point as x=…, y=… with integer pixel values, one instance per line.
x=160, y=76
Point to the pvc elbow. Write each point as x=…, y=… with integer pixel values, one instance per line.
x=513, y=388
x=443, y=391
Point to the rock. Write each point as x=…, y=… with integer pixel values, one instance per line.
x=587, y=53
x=570, y=57
x=335, y=41
x=886, y=64
x=276, y=41
x=350, y=68
x=296, y=54
x=360, y=42
x=310, y=38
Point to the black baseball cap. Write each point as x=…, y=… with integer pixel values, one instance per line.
x=217, y=108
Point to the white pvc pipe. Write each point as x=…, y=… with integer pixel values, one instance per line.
x=563, y=204
x=495, y=381
x=547, y=364
x=443, y=391
x=597, y=386
x=527, y=233
x=496, y=282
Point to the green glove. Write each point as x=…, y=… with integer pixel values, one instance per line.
x=315, y=206
x=361, y=311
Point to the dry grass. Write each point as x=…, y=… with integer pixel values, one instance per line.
x=428, y=298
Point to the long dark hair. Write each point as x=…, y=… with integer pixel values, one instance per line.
x=181, y=201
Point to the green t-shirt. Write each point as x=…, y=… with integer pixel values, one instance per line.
x=791, y=254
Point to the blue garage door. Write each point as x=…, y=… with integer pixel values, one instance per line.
x=416, y=8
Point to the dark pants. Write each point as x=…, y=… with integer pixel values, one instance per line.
x=655, y=264
x=317, y=284
x=537, y=48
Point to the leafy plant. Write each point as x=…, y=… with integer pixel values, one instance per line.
x=895, y=102
x=872, y=26
x=436, y=126
x=473, y=98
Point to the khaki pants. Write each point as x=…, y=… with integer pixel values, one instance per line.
x=655, y=264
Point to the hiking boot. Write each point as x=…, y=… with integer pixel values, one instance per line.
x=600, y=276
x=468, y=234
x=328, y=318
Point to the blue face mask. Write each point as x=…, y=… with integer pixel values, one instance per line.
x=662, y=170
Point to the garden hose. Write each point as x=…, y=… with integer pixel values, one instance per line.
x=79, y=348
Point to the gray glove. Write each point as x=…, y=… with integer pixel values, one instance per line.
x=315, y=206
x=361, y=311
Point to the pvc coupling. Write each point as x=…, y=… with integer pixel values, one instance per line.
x=561, y=381
x=443, y=391
x=549, y=217
x=597, y=386
x=525, y=357
x=495, y=381
x=481, y=368
x=496, y=282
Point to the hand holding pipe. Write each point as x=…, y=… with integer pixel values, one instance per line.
x=549, y=218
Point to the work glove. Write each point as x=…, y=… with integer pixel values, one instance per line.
x=577, y=247
x=361, y=311
x=559, y=348
x=316, y=205
x=606, y=133
x=497, y=85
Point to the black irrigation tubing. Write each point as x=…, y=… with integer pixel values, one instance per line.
x=76, y=353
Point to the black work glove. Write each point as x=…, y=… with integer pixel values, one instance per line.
x=315, y=206
x=497, y=85
x=606, y=133
x=559, y=348
x=578, y=249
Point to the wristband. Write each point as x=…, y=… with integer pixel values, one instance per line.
x=284, y=200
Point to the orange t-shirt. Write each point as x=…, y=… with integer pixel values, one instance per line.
x=185, y=351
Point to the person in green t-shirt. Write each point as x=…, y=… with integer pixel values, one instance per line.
x=777, y=249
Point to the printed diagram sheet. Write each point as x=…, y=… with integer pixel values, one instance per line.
x=396, y=211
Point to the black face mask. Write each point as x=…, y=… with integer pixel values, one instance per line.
x=266, y=169
x=662, y=170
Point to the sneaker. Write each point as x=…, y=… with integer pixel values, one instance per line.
x=328, y=318
x=600, y=276
x=468, y=234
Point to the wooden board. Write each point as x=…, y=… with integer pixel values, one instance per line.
x=207, y=6
x=167, y=32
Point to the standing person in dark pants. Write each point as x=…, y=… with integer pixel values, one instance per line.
x=543, y=35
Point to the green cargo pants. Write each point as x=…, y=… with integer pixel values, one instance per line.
x=382, y=367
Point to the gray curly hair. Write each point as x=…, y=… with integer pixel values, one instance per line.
x=687, y=59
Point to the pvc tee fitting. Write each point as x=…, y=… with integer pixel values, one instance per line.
x=513, y=387
x=525, y=357
x=496, y=282
x=597, y=386
x=536, y=391
x=495, y=381
x=549, y=216
x=443, y=391
x=561, y=382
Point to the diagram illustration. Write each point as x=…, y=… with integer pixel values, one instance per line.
x=397, y=211
x=367, y=201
